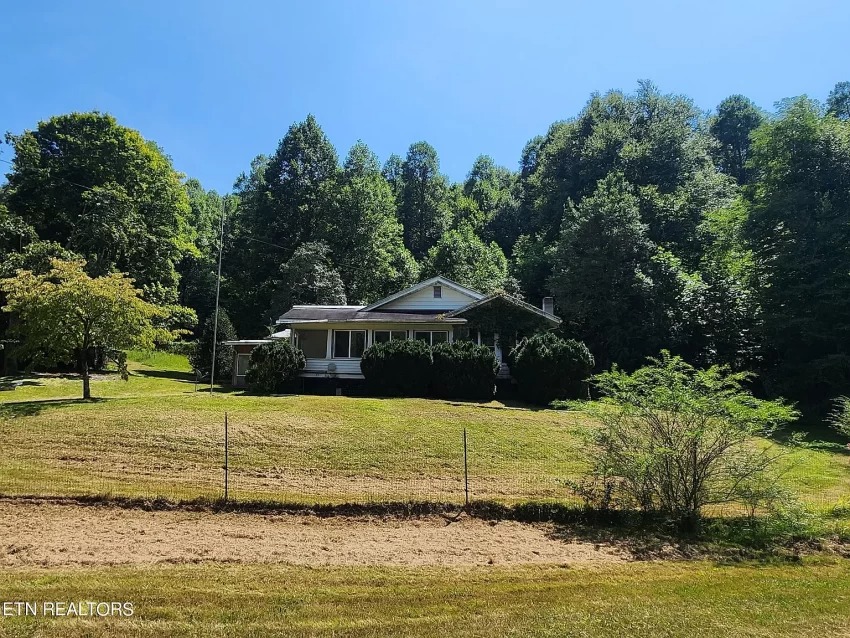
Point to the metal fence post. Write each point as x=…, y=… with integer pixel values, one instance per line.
x=226, y=450
x=465, y=471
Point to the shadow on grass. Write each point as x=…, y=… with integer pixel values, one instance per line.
x=16, y=409
x=185, y=377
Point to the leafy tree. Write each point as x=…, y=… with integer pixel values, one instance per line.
x=798, y=229
x=547, y=367
x=366, y=241
x=15, y=233
x=273, y=366
x=422, y=205
x=838, y=102
x=675, y=439
x=101, y=190
x=66, y=313
x=531, y=266
x=201, y=357
x=617, y=291
x=737, y=117
x=309, y=277
x=462, y=257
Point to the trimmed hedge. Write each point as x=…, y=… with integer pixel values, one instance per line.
x=547, y=367
x=397, y=368
x=463, y=370
x=273, y=366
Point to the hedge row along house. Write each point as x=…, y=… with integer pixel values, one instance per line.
x=333, y=338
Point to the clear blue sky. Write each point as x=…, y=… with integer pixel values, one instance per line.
x=216, y=83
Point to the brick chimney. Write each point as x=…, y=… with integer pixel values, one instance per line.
x=549, y=305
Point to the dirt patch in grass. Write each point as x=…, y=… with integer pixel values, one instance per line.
x=54, y=534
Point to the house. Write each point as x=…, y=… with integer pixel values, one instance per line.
x=333, y=338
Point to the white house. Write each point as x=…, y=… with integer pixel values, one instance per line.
x=333, y=338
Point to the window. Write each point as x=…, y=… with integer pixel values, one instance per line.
x=438, y=292
x=431, y=337
x=242, y=363
x=313, y=343
x=488, y=339
x=349, y=344
x=382, y=336
x=462, y=333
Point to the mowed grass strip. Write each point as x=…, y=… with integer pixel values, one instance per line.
x=654, y=599
x=156, y=436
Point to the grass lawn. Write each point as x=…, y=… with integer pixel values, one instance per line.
x=641, y=599
x=156, y=436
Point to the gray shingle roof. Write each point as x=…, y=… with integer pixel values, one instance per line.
x=355, y=314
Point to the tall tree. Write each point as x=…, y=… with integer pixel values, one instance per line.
x=799, y=232
x=461, y=256
x=838, y=102
x=737, y=117
x=615, y=289
x=366, y=240
x=422, y=206
x=101, y=190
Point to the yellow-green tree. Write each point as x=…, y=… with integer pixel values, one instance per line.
x=65, y=313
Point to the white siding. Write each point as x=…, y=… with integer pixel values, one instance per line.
x=424, y=300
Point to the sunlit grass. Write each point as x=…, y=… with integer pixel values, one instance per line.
x=649, y=599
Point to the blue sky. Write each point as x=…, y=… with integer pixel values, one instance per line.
x=216, y=83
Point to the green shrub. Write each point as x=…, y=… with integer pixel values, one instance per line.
x=547, y=367
x=273, y=366
x=201, y=357
x=397, y=368
x=463, y=370
x=187, y=349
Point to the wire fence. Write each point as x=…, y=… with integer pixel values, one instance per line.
x=237, y=457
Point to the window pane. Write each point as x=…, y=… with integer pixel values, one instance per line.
x=381, y=336
x=488, y=339
x=242, y=361
x=358, y=343
x=462, y=333
x=341, y=343
x=314, y=343
x=399, y=335
x=439, y=337
x=438, y=292
x=422, y=336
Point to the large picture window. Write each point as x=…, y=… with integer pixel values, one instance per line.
x=349, y=344
x=313, y=343
x=431, y=337
x=382, y=336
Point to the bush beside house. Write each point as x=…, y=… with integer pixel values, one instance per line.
x=397, y=368
x=463, y=370
x=273, y=366
x=200, y=358
x=547, y=367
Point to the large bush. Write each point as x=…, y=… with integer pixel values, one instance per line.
x=463, y=370
x=674, y=439
x=547, y=367
x=273, y=366
x=397, y=368
x=201, y=356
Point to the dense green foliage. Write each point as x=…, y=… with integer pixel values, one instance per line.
x=201, y=356
x=675, y=439
x=274, y=366
x=723, y=237
x=463, y=370
x=547, y=367
x=399, y=368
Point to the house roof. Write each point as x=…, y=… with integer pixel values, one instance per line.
x=439, y=279
x=510, y=299
x=355, y=314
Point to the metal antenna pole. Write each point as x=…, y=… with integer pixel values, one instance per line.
x=217, y=290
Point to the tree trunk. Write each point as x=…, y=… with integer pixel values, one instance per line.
x=86, y=380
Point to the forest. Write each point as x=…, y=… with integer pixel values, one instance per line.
x=722, y=236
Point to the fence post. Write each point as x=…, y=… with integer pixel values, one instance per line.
x=226, y=469
x=465, y=471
